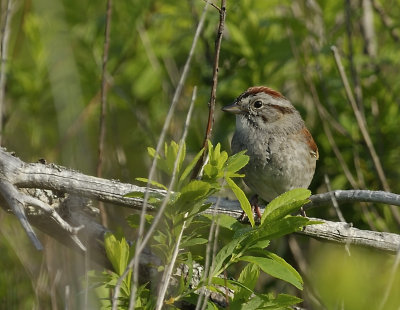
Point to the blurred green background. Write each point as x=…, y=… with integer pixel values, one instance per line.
x=52, y=107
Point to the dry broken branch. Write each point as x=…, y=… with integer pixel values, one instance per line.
x=67, y=184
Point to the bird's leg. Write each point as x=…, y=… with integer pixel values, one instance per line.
x=254, y=205
x=303, y=212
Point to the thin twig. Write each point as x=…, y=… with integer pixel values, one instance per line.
x=322, y=112
x=209, y=254
x=170, y=269
x=157, y=218
x=103, y=100
x=338, y=212
x=334, y=201
x=386, y=20
x=363, y=128
x=214, y=252
x=134, y=264
x=5, y=32
x=211, y=103
x=393, y=275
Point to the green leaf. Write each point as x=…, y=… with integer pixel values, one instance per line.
x=226, y=221
x=210, y=171
x=278, y=228
x=135, y=194
x=248, y=277
x=224, y=253
x=171, y=153
x=152, y=152
x=191, y=193
x=134, y=219
x=267, y=301
x=236, y=162
x=222, y=158
x=193, y=241
x=285, y=204
x=244, y=203
x=117, y=252
x=277, y=267
x=154, y=183
x=191, y=165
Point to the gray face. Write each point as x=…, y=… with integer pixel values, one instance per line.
x=261, y=110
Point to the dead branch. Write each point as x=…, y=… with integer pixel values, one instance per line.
x=213, y=95
x=35, y=179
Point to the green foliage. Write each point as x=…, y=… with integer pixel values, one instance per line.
x=119, y=254
x=247, y=244
x=52, y=94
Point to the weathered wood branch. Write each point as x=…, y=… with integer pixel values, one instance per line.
x=70, y=186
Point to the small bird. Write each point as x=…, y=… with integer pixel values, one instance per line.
x=282, y=151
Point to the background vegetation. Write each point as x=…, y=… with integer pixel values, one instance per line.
x=52, y=109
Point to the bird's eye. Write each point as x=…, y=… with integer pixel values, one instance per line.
x=257, y=104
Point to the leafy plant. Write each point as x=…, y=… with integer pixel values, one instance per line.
x=184, y=214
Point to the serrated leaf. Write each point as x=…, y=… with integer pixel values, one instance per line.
x=285, y=204
x=117, y=252
x=277, y=267
x=236, y=162
x=244, y=203
x=154, y=183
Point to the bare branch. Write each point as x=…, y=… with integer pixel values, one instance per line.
x=103, y=107
x=211, y=104
x=343, y=233
x=16, y=201
x=60, y=179
x=167, y=122
x=344, y=196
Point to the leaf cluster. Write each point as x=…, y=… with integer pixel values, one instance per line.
x=247, y=244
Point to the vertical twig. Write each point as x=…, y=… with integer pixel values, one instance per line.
x=339, y=213
x=323, y=114
x=363, y=128
x=211, y=103
x=103, y=100
x=168, y=273
x=212, y=236
x=5, y=32
x=134, y=263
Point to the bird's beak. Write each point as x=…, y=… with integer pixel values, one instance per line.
x=233, y=108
